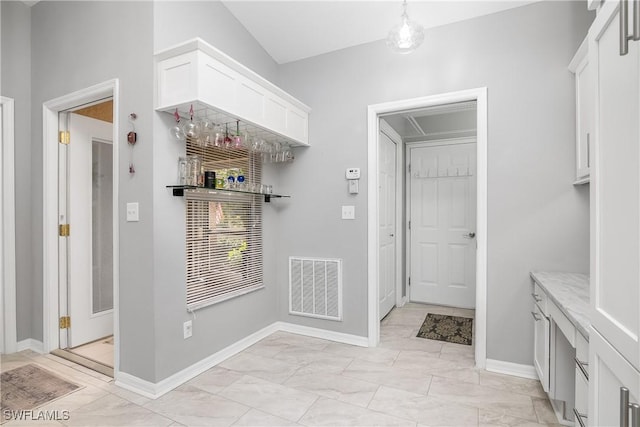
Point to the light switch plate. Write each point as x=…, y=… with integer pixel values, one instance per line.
x=348, y=212
x=133, y=212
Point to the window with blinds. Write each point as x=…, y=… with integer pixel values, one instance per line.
x=223, y=232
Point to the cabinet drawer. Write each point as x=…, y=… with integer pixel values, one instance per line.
x=563, y=323
x=539, y=297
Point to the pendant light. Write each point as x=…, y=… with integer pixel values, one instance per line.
x=407, y=35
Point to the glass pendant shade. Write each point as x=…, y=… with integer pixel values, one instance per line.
x=406, y=36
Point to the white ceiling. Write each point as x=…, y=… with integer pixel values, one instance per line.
x=290, y=30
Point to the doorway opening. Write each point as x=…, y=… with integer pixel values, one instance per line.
x=81, y=269
x=441, y=259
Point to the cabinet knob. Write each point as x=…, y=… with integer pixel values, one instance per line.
x=536, y=297
x=536, y=316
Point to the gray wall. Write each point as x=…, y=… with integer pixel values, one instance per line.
x=537, y=219
x=222, y=324
x=16, y=69
x=532, y=204
x=100, y=41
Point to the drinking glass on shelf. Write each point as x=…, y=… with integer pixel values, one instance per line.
x=194, y=169
x=182, y=170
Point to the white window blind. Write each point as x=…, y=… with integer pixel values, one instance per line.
x=224, y=246
x=223, y=231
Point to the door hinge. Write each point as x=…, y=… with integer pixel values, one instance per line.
x=64, y=230
x=64, y=137
x=409, y=224
x=409, y=281
x=65, y=322
x=409, y=166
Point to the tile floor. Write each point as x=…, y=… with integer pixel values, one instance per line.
x=100, y=351
x=289, y=380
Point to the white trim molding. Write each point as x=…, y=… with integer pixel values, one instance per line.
x=30, y=344
x=8, y=323
x=155, y=390
x=374, y=112
x=514, y=369
x=50, y=126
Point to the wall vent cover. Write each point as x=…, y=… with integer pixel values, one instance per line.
x=315, y=287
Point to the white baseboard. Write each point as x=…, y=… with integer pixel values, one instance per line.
x=508, y=368
x=324, y=334
x=155, y=390
x=30, y=344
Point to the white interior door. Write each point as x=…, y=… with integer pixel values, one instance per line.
x=442, y=224
x=90, y=243
x=387, y=224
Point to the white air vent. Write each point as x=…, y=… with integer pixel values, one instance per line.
x=315, y=287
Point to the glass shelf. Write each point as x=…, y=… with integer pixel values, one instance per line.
x=178, y=190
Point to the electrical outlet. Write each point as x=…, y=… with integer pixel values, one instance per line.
x=348, y=212
x=187, y=328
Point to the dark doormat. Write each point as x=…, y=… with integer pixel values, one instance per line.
x=29, y=386
x=441, y=327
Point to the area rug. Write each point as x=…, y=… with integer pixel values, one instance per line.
x=441, y=327
x=29, y=386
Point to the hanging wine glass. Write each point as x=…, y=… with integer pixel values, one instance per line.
x=207, y=132
x=176, y=131
x=191, y=129
x=227, y=139
x=237, y=139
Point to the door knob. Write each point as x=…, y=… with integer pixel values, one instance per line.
x=469, y=235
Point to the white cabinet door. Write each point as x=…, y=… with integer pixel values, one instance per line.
x=615, y=233
x=541, y=346
x=608, y=372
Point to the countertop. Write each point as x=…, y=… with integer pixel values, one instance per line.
x=570, y=292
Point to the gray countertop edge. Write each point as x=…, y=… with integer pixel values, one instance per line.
x=581, y=326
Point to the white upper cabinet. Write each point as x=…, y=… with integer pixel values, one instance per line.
x=584, y=112
x=195, y=73
x=615, y=188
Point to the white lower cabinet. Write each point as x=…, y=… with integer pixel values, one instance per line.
x=541, y=346
x=609, y=373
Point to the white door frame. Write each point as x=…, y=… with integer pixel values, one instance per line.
x=8, y=322
x=50, y=111
x=407, y=191
x=393, y=135
x=373, y=112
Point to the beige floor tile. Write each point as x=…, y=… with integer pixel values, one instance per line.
x=100, y=351
x=77, y=399
x=544, y=411
x=499, y=401
x=298, y=340
x=492, y=419
x=255, y=418
x=427, y=364
x=412, y=343
x=275, y=399
x=401, y=317
x=370, y=354
x=328, y=412
x=423, y=409
x=397, y=331
x=312, y=361
x=215, y=379
x=386, y=375
x=112, y=410
x=262, y=367
x=335, y=387
x=514, y=384
x=192, y=406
